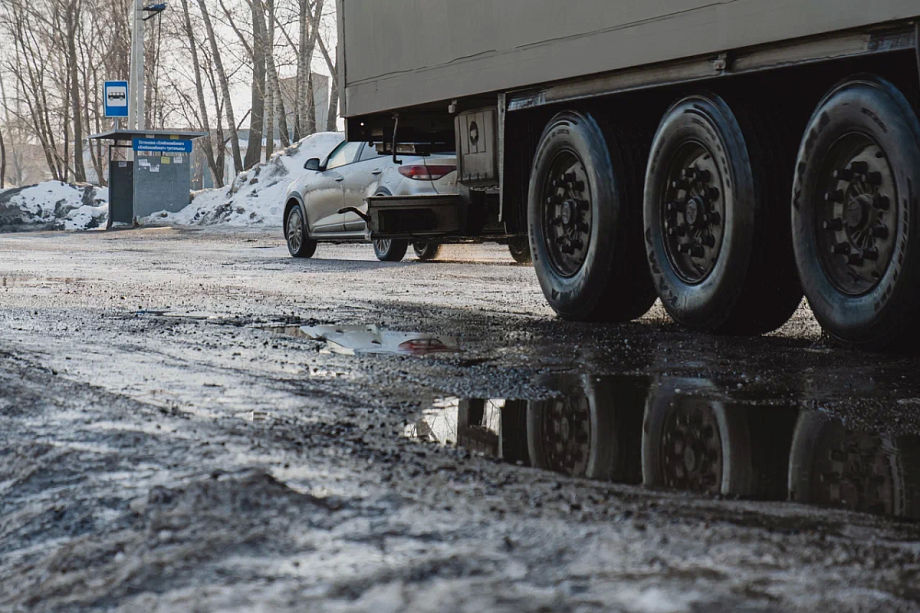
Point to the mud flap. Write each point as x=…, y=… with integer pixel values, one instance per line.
x=409, y=217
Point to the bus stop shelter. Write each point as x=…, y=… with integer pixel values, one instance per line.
x=158, y=178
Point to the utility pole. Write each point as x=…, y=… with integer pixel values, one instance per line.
x=136, y=89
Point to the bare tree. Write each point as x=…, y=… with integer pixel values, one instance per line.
x=224, y=88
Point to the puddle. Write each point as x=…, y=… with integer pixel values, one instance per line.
x=370, y=340
x=688, y=434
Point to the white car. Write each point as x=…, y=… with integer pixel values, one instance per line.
x=328, y=203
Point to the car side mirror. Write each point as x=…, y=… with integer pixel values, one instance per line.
x=312, y=164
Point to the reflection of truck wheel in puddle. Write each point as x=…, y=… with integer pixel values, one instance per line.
x=860, y=471
x=581, y=433
x=694, y=444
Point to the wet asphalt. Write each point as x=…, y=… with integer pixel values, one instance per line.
x=192, y=420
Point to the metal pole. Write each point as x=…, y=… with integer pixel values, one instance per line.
x=136, y=96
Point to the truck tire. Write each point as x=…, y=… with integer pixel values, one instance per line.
x=391, y=250
x=855, y=217
x=716, y=217
x=588, y=431
x=426, y=251
x=299, y=243
x=519, y=247
x=690, y=443
x=584, y=226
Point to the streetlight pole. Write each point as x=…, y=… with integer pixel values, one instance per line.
x=136, y=89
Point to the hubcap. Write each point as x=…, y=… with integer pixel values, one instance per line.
x=691, y=450
x=295, y=230
x=856, y=216
x=567, y=213
x=693, y=213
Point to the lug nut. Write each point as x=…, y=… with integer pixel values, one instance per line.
x=679, y=185
x=556, y=221
x=677, y=231
x=835, y=224
x=871, y=254
x=834, y=196
x=583, y=205
x=577, y=245
x=713, y=194
x=582, y=226
x=569, y=177
x=715, y=219
x=696, y=251
x=676, y=207
x=578, y=186
x=881, y=232
x=709, y=241
x=874, y=178
x=689, y=173
x=684, y=248
x=844, y=174
x=860, y=168
x=881, y=202
x=704, y=176
x=855, y=259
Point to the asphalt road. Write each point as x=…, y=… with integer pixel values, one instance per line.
x=174, y=437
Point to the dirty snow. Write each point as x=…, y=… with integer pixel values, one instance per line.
x=256, y=196
x=53, y=205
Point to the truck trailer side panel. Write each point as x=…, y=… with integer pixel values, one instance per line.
x=402, y=53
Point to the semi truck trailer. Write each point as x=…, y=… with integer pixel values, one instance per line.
x=727, y=157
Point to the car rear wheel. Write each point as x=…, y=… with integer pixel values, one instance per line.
x=855, y=224
x=426, y=251
x=716, y=217
x=299, y=243
x=391, y=250
x=584, y=218
x=519, y=247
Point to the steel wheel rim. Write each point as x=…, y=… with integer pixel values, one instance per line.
x=691, y=450
x=693, y=213
x=567, y=434
x=567, y=213
x=295, y=231
x=382, y=245
x=856, y=218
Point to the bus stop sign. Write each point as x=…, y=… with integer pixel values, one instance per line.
x=116, y=98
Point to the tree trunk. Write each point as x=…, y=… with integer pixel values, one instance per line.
x=72, y=15
x=224, y=87
x=256, y=126
x=217, y=171
x=2, y=161
x=269, y=40
x=275, y=82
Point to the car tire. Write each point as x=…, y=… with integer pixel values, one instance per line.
x=519, y=247
x=391, y=250
x=584, y=219
x=716, y=217
x=426, y=251
x=857, y=236
x=299, y=243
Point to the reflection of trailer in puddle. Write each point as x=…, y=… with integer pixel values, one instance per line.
x=685, y=434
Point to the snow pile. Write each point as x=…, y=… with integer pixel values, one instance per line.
x=53, y=205
x=256, y=196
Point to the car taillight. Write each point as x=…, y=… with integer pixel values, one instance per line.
x=426, y=173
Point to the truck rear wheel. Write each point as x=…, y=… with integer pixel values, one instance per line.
x=855, y=223
x=584, y=224
x=716, y=211
x=388, y=250
x=426, y=251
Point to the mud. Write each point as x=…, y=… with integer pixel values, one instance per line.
x=168, y=443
